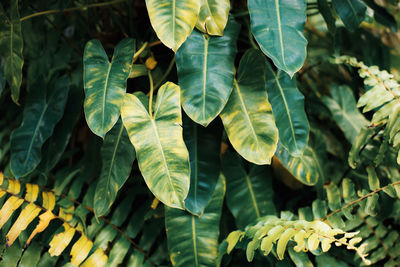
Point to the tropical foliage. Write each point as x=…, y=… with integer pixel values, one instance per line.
x=199, y=133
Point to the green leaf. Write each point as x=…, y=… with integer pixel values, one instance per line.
x=173, y=20
x=161, y=152
x=249, y=194
x=117, y=158
x=327, y=14
x=105, y=83
x=247, y=117
x=344, y=111
x=277, y=26
x=206, y=69
x=382, y=16
x=41, y=114
x=193, y=240
x=213, y=16
x=11, y=46
x=288, y=108
x=351, y=12
x=55, y=146
x=204, y=146
x=2, y=79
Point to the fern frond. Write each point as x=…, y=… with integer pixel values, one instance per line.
x=31, y=210
x=383, y=94
x=271, y=231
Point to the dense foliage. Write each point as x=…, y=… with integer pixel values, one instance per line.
x=199, y=133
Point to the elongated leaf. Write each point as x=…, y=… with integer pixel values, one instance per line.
x=327, y=14
x=247, y=116
x=55, y=146
x=80, y=250
x=277, y=26
x=204, y=148
x=213, y=16
x=344, y=111
x=193, y=240
x=249, y=194
x=206, y=69
x=351, y=12
x=41, y=114
x=2, y=79
x=118, y=155
x=11, y=46
x=288, y=108
x=105, y=83
x=173, y=20
x=161, y=152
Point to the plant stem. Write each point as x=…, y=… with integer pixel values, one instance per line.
x=139, y=52
x=151, y=93
x=52, y=11
x=167, y=72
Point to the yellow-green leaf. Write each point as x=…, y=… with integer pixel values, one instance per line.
x=173, y=20
x=247, y=117
x=28, y=214
x=158, y=140
x=105, y=83
x=80, y=250
x=44, y=220
x=98, y=259
x=61, y=240
x=283, y=240
x=8, y=209
x=213, y=16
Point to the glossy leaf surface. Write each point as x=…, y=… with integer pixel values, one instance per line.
x=277, y=26
x=213, y=16
x=206, y=69
x=41, y=114
x=11, y=46
x=118, y=155
x=161, y=152
x=204, y=149
x=351, y=12
x=105, y=83
x=193, y=240
x=288, y=107
x=249, y=194
x=173, y=20
x=247, y=117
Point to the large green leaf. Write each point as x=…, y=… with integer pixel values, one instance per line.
x=204, y=145
x=193, y=240
x=41, y=114
x=351, y=12
x=11, y=46
x=277, y=26
x=105, y=83
x=345, y=112
x=54, y=147
x=247, y=116
x=161, y=152
x=173, y=20
x=249, y=194
x=206, y=68
x=117, y=158
x=213, y=16
x=288, y=108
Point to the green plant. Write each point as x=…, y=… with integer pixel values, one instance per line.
x=199, y=133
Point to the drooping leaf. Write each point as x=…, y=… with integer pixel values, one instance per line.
x=206, y=69
x=193, y=240
x=173, y=20
x=105, y=83
x=11, y=46
x=98, y=259
x=41, y=114
x=288, y=107
x=118, y=155
x=80, y=250
x=61, y=240
x=351, y=12
x=204, y=148
x=249, y=194
x=344, y=111
x=213, y=16
x=247, y=117
x=55, y=146
x=158, y=140
x=277, y=26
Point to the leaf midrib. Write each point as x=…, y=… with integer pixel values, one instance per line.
x=196, y=260
x=104, y=93
x=205, y=76
x=253, y=197
x=278, y=17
